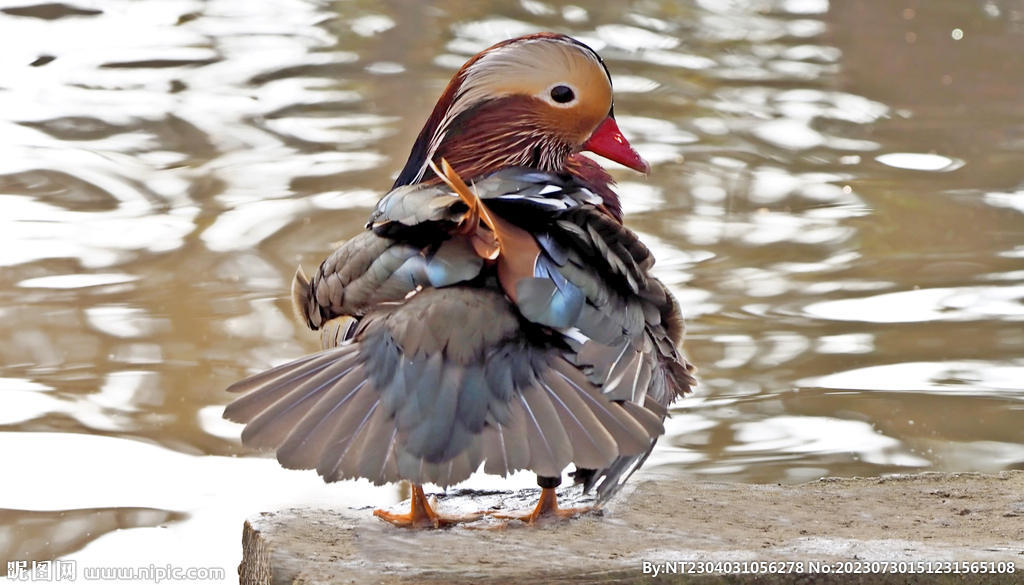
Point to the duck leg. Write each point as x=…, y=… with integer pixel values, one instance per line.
x=422, y=514
x=547, y=510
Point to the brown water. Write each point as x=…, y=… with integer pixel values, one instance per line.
x=837, y=200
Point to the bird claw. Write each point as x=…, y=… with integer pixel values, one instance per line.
x=434, y=520
x=422, y=514
x=532, y=518
x=546, y=512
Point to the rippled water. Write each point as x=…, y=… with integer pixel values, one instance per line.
x=837, y=200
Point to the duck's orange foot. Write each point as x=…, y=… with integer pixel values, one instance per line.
x=546, y=512
x=422, y=514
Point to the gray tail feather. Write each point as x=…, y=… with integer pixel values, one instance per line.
x=610, y=480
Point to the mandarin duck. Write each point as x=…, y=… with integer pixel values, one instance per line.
x=510, y=323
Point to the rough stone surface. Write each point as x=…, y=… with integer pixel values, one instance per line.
x=926, y=517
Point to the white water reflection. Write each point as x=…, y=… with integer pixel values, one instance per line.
x=983, y=456
x=934, y=304
x=32, y=230
x=71, y=281
x=107, y=410
x=681, y=60
x=822, y=436
x=654, y=130
x=773, y=184
x=475, y=36
x=129, y=390
x=846, y=343
x=119, y=473
x=22, y=400
x=244, y=227
x=805, y=6
x=639, y=197
x=631, y=38
x=790, y=134
x=354, y=133
x=949, y=378
x=122, y=321
x=920, y=162
x=1013, y=200
x=264, y=322
x=768, y=227
x=371, y=24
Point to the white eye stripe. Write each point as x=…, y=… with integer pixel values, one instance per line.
x=546, y=94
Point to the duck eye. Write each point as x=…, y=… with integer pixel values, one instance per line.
x=562, y=94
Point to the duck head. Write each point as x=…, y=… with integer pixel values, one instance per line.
x=535, y=101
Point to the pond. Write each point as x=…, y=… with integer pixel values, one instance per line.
x=837, y=199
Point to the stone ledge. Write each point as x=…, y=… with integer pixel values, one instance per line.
x=925, y=517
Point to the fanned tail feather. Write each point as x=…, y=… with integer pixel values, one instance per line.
x=380, y=407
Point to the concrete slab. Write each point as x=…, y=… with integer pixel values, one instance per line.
x=844, y=524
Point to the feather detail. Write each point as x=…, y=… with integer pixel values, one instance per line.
x=514, y=249
x=550, y=450
x=593, y=446
x=430, y=389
